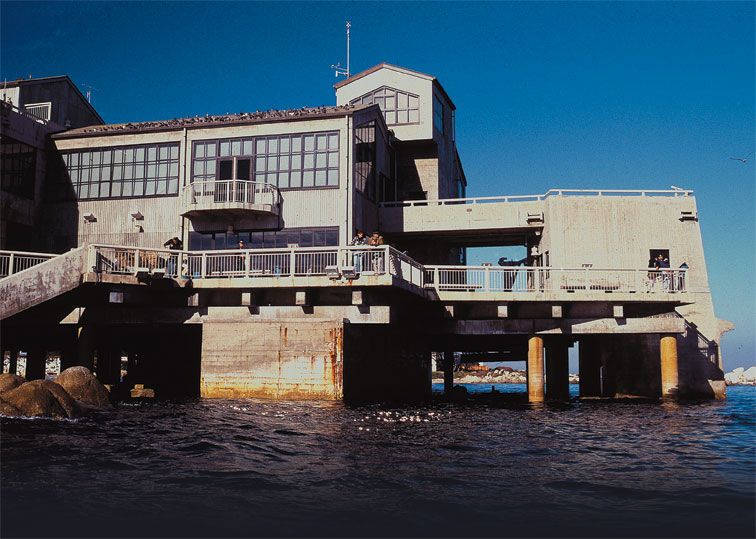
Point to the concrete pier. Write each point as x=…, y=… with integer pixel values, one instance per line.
x=557, y=369
x=669, y=371
x=535, y=370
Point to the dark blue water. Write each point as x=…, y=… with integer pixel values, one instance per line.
x=233, y=468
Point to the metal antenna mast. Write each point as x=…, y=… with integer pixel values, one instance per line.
x=89, y=91
x=340, y=70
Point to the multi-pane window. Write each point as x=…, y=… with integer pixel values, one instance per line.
x=364, y=166
x=274, y=239
x=398, y=107
x=438, y=114
x=286, y=161
x=17, y=167
x=129, y=171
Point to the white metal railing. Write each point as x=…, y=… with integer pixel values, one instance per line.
x=548, y=279
x=26, y=113
x=14, y=261
x=535, y=198
x=353, y=262
x=39, y=110
x=209, y=193
x=294, y=262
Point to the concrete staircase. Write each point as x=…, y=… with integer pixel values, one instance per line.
x=42, y=282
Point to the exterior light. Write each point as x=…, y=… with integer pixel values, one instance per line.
x=90, y=217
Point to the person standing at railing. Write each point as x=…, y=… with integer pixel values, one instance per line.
x=376, y=240
x=681, y=276
x=359, y=240
x=241, y=259
x=663, y=266
x=173, y=244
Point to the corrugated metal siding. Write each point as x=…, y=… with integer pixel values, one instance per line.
x=316, y=207
x=115, y=225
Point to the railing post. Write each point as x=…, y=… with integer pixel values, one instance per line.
x=136, y=261
x=486, y=279
x=637, y=280
x=203, y=266
x=587, y=281
x=292, y=262
x=11, y=263
x=436, y=281
x=91, y=254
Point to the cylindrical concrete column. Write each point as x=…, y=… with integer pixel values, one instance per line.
x=669, y=374
x=590, y=367
x=448, y=372
x=35, y=362
x=86, y=346
x=557, y=369
x=535, y=369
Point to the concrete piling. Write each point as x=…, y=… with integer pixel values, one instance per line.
x=535, y=370
x=669, y=371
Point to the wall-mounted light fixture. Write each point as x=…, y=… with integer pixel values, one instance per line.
x=136, y=214
x=90, y=217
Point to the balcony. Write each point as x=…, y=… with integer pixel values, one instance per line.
x=229, y=198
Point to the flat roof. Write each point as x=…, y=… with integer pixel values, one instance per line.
x=242, y=118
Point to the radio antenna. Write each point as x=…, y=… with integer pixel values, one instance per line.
x=337, y=67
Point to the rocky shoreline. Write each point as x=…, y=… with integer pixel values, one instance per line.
x=75, y=392
x=741, y=377
x=491, y=377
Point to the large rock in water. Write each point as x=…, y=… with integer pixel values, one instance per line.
x=42, y=398
x=84, y=386
x=10, y=381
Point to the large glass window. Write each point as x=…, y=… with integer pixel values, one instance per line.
x=438, y=114
x=17, y=167
x=398, y=107
x=364, y=166
x=307, y=160
x=124, y=171
x=274, y=239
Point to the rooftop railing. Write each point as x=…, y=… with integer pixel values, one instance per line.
x=219, y=193
x=548, y=279
x=536, y=198
x=15, y=261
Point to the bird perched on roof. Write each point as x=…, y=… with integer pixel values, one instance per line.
x=741, y=159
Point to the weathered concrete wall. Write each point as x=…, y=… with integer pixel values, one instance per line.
x=41, y=282
x=277, y=360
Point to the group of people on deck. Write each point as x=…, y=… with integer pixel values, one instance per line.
x=662, y=272
x=361, y=263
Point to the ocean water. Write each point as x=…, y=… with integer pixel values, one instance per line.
x=493, y=467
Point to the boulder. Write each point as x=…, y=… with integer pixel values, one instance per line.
x=42, y=398
x=8, y=409
x=749, y=376
x=84, y=386
x=10, y=381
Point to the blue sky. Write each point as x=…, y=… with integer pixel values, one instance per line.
x=615, y=95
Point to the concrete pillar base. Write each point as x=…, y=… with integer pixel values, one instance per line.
x=535, y=370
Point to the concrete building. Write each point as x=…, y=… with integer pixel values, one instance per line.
x=293, y=311
x=32, y=110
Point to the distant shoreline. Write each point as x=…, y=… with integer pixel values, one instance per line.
x=490, y=377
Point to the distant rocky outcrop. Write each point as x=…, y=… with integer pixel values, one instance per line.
x=40, y=398
x=84, y=386
x=741, y=377
x=498, y=375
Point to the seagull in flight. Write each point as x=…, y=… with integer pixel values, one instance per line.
x=741, y=159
